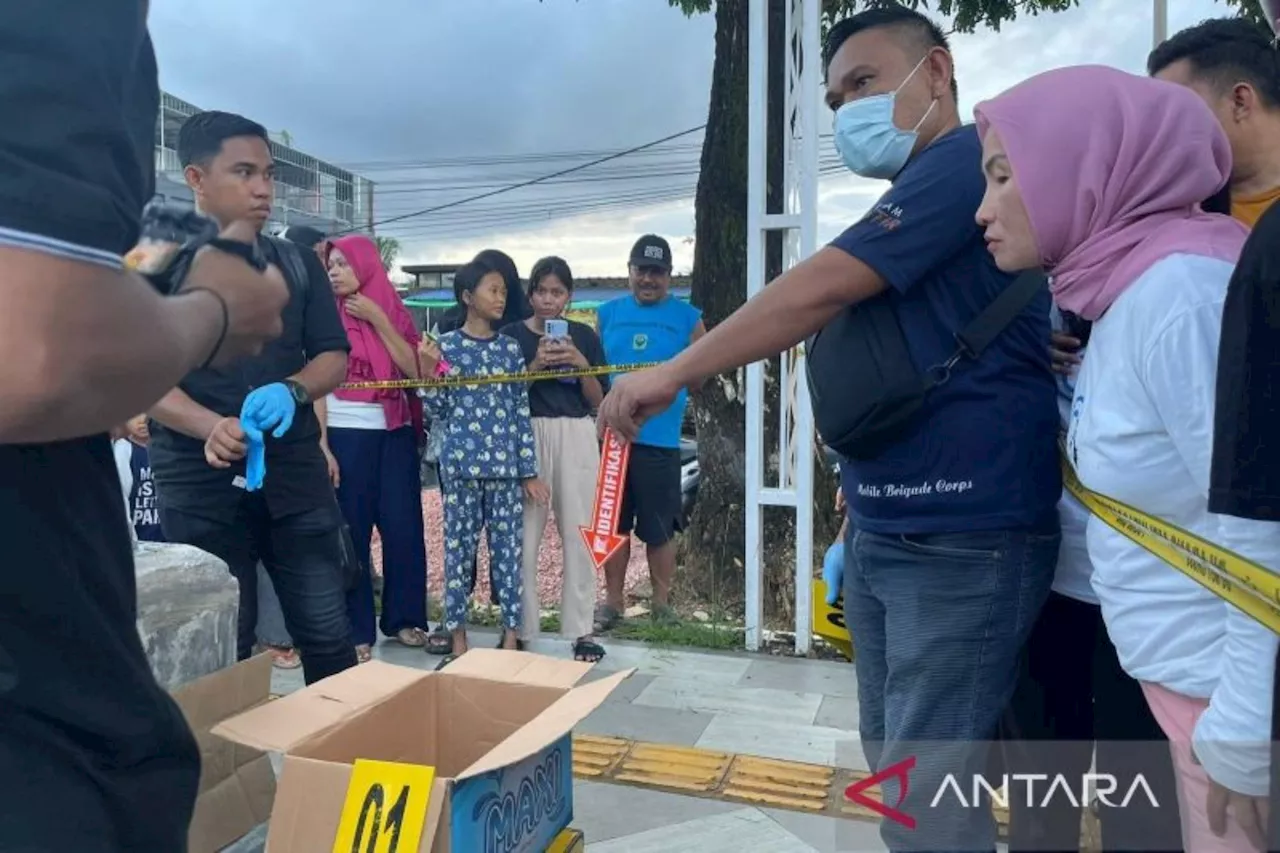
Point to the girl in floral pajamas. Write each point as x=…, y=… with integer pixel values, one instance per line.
x=488, y=461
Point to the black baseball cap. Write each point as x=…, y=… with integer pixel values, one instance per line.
x=651, y=251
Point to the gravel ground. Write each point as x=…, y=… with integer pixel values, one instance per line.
x=549, y=563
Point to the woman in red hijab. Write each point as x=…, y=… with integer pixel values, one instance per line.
x=371, y=439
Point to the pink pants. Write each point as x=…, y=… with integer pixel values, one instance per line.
x=1177, y=715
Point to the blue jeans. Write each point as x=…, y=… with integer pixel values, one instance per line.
x=938, y=621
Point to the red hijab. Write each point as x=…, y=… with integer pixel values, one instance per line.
x=370, y=360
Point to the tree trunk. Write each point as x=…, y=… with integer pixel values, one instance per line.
x=714, y=547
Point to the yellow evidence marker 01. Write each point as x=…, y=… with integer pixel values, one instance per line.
x=386, y=808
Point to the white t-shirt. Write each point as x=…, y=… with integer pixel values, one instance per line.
x=1142, y=433
x=122, y=449
x=350, y=414
x=1074, y=574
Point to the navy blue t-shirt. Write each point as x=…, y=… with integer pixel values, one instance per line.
x=142, y=497
x=983, y=453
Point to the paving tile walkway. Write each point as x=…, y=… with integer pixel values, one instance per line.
x=798, y=710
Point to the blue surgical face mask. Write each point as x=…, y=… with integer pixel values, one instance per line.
x=868, y=141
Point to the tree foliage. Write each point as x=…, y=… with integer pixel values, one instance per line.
x=969, y=14
x=389, y=249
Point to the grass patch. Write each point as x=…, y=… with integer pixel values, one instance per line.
x=687, y=634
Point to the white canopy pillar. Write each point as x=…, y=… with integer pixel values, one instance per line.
x=798, y=223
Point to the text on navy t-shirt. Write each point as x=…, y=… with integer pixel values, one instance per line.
x=982, y=455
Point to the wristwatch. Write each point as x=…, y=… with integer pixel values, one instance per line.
x=298, y=391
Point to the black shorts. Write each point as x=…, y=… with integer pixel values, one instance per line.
x=651, y=504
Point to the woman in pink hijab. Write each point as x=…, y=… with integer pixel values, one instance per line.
x=1097, y=176
x=371, y=438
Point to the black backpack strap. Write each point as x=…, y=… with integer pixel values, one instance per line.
x=294, y=268
x=996, y=317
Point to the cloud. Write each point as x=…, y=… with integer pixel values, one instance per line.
x=394, y=88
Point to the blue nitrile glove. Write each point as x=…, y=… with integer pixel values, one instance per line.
x=833, y=571
x=255, y=466
x=270, y=407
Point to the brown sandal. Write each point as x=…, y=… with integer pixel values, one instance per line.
x=414, y=638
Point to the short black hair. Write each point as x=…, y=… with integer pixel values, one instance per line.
x=469, y=276
x=1223, y=52
x=550, y=265
x=202, y=135
x=518, y=307
x=925, y=32
x=304, y=235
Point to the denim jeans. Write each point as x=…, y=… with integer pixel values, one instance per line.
x=938, y=621
x=301, y=554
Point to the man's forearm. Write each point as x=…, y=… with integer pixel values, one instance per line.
x=322, y=374
x=321, y=405
x=179, y=412
x=91, y=347
x=797, y=304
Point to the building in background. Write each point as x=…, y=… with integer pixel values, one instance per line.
x=430, y=293
x=309, y=191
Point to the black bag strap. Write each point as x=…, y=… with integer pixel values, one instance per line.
x=987, y=326
x=997, y=316
x=295, y=269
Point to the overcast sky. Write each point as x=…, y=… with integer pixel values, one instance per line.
x=438, y=100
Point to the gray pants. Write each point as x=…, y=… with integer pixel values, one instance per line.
x=271, y=630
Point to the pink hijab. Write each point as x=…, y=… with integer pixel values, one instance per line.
x=370, y=360
x=1113, y=168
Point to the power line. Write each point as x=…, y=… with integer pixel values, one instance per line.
x=487, y=223
x=533, y=181
x=504, y=159
x=606, y=193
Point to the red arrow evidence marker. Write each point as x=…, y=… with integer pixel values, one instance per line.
x=601, y=538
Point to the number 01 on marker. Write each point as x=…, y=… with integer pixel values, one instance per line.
x=386, y=808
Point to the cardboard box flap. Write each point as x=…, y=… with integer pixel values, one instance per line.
x=512, y=667
x=281, y=725
x=549, y=726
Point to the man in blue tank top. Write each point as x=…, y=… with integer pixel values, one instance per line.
x=649, y=324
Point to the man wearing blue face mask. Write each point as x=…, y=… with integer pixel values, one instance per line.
x=953, y=503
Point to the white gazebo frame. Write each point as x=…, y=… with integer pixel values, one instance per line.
x=799, y=224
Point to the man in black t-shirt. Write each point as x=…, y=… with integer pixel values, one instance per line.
x=199, y=443
x=94, y=756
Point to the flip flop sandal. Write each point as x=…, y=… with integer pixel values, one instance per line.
x=607, y=618
x=588, y=651
x=414, y=638
x=282, y=658
x=439, y=643
x=445, y=661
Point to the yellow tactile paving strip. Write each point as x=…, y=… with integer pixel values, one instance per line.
x=767, y=782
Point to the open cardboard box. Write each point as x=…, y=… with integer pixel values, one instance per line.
x=495, y=725
x=237, y=784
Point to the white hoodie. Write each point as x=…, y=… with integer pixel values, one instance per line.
x=1142, y=433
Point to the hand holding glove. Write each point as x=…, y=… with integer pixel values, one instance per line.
x=270, y=407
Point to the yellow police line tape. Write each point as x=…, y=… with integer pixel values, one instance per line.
x=1236, y=579
x=1246, y=584
x=498, y=378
